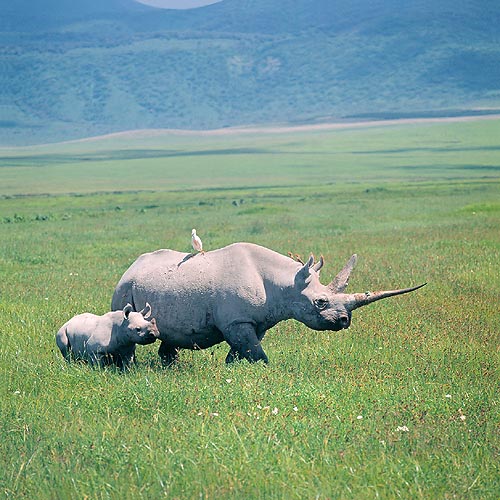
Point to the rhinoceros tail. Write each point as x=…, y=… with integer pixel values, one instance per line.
x=122, y=296
x=62, y=342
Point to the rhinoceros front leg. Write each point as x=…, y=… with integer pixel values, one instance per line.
x=244, y=343
x=233, y=355
x=168, y=354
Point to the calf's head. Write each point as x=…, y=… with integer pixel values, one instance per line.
x=137, y=326
x=327, y=307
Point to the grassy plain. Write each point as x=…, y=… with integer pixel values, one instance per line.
x=404, y=404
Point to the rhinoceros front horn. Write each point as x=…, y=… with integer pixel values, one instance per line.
x=356, y=300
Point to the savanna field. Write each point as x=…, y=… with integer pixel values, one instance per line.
x=403, y=404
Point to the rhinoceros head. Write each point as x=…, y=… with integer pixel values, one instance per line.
x=139, y=329
x=326, y=307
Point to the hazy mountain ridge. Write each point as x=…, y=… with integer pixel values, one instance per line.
x=115, y=64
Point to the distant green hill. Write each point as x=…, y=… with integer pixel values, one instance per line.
x=72, y=69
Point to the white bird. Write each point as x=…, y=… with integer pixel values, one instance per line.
x=196, y=242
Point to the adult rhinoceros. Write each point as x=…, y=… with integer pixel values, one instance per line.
x=236, y=294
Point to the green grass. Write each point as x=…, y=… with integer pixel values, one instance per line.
x=417, y=203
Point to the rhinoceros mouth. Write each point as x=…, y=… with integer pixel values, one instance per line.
x=335, y=324
x=327, y=327
x=336, y=328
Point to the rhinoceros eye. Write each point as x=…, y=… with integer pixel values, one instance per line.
x=321, y=303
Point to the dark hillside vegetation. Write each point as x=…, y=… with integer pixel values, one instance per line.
x=71, y=70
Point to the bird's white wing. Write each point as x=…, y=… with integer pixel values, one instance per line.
x=196, y=242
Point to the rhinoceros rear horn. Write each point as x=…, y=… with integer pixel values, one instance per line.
x=356, y=300
x=340, y=282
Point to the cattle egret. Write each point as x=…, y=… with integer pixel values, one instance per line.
x=196, y=242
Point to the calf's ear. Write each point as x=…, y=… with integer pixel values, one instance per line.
x=127, y=310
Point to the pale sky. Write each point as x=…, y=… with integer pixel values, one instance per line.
x=178, y=4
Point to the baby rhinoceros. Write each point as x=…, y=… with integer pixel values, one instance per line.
x=107, y=339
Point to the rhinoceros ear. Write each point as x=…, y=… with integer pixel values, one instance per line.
x=303, y=275
x=127, y=310
x=146, y=312
x=317, y=267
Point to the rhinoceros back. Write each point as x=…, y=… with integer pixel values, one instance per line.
x=226, y=271
x=149, y=272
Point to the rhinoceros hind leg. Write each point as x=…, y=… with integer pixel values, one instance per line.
x=168, y=354
x=244, y=343
x=232, y=356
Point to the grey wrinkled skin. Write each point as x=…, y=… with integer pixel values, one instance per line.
x=107, y=339
x=235, y=294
